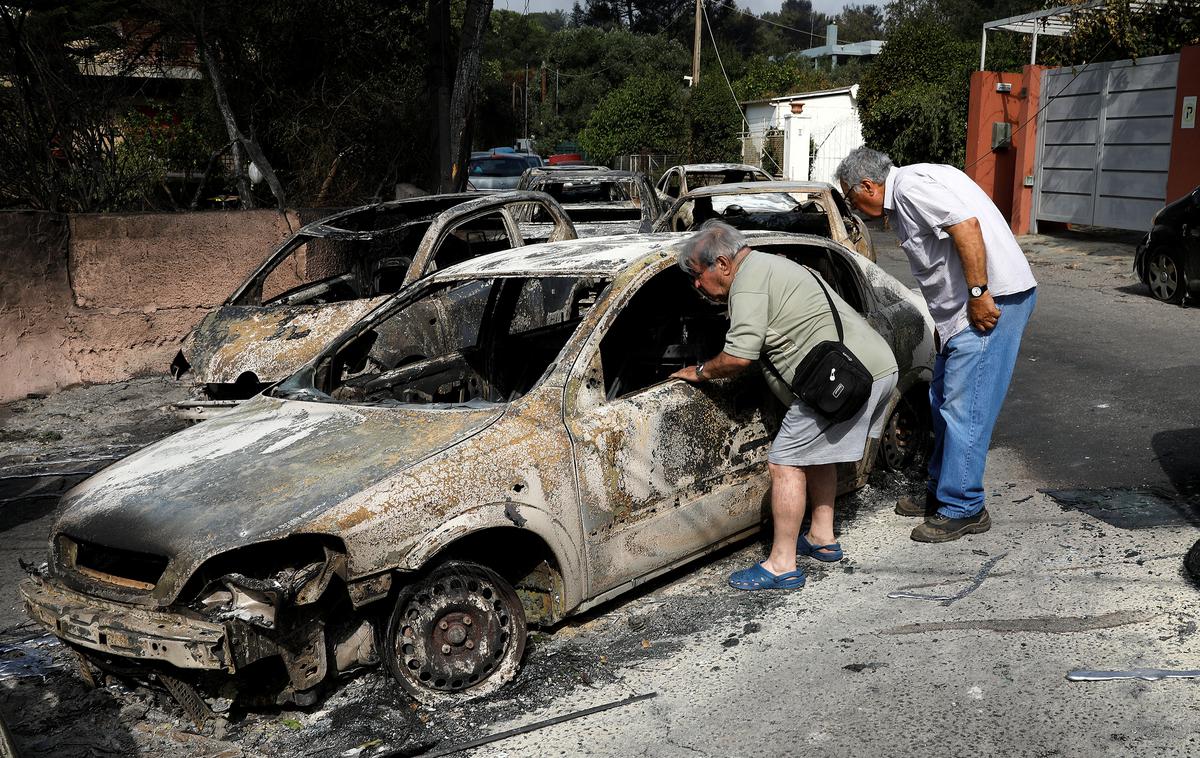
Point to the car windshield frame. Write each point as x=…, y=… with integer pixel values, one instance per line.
x=302, y=384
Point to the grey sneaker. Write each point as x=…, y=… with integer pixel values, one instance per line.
x=941, y=529
x=916, y=506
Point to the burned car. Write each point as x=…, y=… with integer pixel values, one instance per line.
x=599, y=202
x=532, y=462
x=679, y=180
x=332, y=272
x=1168, y=258
x=800, y=207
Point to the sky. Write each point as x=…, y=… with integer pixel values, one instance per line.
x=829, y=7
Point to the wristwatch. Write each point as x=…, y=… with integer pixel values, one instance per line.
x=978, y=290
x=700, y=370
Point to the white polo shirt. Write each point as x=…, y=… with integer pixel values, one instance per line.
x=923, y=199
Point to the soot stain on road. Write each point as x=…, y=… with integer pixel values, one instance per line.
x=1132, y=508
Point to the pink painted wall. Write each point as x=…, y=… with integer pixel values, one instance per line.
x=104, y=297
x=1001, y=174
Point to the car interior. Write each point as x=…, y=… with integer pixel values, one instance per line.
x=667, y=324
x=805, y=216
x=596, y=201
x=481, y=340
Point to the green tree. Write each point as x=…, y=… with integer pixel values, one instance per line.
x=914, y=95
x=1119, y=30
x=714, y=122
x=644, y=114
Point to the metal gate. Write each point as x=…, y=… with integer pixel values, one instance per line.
x=832, y=146
x=1104, y=143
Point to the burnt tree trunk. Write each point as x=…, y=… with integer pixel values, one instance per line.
x=440, y=66
x=236, y=136
x=466, y=93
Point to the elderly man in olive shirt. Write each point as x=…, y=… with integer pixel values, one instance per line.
x=777, y=313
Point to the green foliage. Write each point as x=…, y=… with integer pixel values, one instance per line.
x=149, y=142
x=713, y=122
x=1118, y=30
x=643, y=114
x=914, y=96
x=766, y=78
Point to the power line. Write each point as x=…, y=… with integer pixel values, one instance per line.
x=1046, y=105
x=733, y=7
x=732, y=94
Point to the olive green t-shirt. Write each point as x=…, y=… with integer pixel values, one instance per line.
x=778, y=312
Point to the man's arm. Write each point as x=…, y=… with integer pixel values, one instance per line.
x=721, y=366
x=968, y=241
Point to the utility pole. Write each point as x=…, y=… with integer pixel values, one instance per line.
x=696, y=46
x=526, y=135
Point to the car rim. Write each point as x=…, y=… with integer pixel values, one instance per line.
x=900, y=437
x=1164, y=277
x=457, y=630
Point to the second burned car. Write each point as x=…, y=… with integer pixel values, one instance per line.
x=529, y=461
x=332, y=272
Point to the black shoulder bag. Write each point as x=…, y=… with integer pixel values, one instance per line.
x=830, y=379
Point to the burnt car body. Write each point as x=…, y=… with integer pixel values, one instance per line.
x=600, y=202
x=799, y=207
x=1168, y=258
x=534, y=463
x=332, y=272
x=679, y=180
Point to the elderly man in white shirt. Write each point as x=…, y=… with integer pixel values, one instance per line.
x=981, y=293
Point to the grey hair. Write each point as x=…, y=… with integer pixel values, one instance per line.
x=863, y=163
x=715, y=238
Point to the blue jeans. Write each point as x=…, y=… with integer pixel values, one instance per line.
x=970, y=380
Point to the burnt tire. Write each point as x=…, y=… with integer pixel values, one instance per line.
x=1191, y=562
x=1164, y=275
x=456, y=633
x=905, y=435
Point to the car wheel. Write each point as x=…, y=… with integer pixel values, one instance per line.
x=1192, y=562
x=456, y=633
x=904, y=436
x=1164, y=275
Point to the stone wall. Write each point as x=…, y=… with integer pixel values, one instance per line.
x=103, y=297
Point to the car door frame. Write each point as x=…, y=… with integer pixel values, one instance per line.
x=743, y=485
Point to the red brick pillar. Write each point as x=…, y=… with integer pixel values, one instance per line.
x=1184, y=173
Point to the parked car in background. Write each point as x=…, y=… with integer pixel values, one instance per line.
x=679, y=180
x=331, y=272
x=600, y=202
x=496, y=172
x=529, y=460
x=1168, y=258
x=801, y=207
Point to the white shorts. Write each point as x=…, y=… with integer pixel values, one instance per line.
x=806, y=438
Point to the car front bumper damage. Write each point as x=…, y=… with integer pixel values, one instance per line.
x=126, y=631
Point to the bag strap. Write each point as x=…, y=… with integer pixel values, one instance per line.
x=837, y=320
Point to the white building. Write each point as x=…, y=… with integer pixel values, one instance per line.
x=802, y=137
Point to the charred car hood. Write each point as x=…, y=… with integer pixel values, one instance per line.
x=269, y=341
x=262, y=471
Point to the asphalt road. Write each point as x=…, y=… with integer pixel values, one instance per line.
x=1102, y=395
x=856, y=664
x=900, y=649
